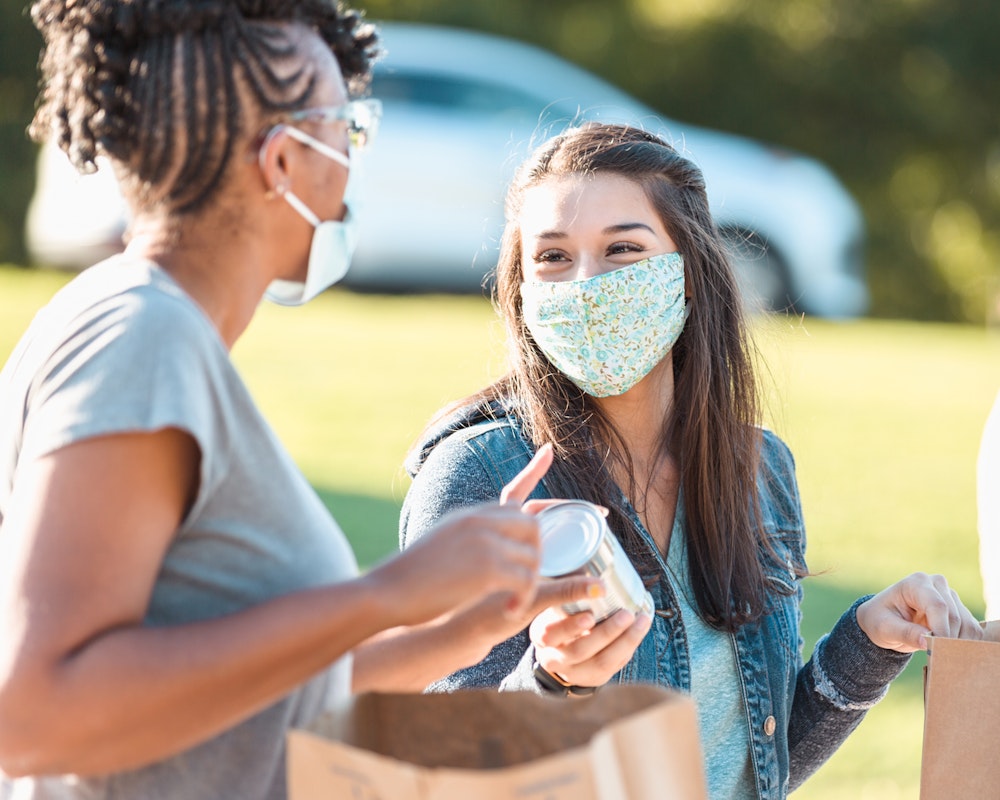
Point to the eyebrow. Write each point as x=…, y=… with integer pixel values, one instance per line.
x=620, y=228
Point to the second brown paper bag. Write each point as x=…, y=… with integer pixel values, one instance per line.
x=961, y=752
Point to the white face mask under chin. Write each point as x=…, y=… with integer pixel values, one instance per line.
x=333, y=241
x=330, y=253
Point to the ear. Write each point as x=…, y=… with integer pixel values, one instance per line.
x=273, y=160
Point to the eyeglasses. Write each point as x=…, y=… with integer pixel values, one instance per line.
x=362, y=118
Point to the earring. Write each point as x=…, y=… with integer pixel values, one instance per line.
x=277, y=191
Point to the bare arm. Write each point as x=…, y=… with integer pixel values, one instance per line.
x=80, y=548
x=410, y=659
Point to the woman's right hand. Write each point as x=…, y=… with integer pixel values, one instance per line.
x=575, y=650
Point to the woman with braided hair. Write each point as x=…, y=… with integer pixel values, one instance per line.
x=173, y=594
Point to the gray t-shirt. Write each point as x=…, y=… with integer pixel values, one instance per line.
x=123, y=348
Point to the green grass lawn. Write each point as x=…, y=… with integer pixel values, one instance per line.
x=884, y=419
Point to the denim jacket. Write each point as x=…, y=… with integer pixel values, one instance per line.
x=797, y=714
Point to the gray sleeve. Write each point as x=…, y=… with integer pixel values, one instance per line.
x=140, y=361
x=465, y=470
x=847, y=675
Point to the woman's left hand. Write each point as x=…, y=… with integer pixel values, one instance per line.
x=900, y=617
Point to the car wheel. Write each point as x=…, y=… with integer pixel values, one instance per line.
x=760, y=272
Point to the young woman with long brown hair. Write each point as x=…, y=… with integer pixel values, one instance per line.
x=631, y=356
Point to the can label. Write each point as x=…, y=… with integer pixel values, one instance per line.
x=576, y=540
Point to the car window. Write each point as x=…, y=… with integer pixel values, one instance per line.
x=447, y=93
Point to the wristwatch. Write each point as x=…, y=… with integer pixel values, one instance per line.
x=553, y=684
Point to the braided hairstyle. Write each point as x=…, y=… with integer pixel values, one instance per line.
x=162, y=87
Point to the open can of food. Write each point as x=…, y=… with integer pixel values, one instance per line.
x=576, y=540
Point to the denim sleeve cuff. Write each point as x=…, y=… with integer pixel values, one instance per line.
x=522, y=679
x=851, y=671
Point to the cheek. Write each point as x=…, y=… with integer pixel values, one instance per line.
x=337, y=190
x=329, y=187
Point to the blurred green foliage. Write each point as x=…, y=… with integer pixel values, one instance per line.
x=898, y=97
x=19, y=46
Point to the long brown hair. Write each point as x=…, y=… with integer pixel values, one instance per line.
x=712, y=428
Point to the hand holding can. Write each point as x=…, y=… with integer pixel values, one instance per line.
x=576, y=540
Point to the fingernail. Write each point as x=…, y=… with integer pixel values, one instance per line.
x=623, y=620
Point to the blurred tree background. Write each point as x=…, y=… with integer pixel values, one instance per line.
x=19, y=46
x=898, y=97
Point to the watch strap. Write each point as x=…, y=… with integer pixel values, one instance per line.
x=553, y=684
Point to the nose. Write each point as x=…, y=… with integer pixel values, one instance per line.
x=587, y=266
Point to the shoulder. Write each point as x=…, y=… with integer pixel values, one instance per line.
x=776, y=455
x=780, y=506
x=489, y=451
x=486, y=431
x=460, y=467
x=499, y=444
x=124, y=304
x=167, y=316
x=128, y=330
x=120, y=348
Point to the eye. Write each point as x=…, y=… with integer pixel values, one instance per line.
x=548, y=256
x=624, y=247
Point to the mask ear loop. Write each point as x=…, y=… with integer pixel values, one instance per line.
x=304, y=211
x=281, y=190
x=318, y=146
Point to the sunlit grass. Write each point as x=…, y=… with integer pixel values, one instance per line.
x=884, y=419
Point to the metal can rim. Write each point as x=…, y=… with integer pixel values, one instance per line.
x=593, y=525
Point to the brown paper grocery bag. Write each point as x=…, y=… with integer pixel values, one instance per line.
x=624, y=743
x=961, y=752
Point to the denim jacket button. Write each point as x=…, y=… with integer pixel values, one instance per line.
x=666, y=613
x=769, y=726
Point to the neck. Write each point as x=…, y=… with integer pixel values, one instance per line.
x=217, y=268
x=639, y=415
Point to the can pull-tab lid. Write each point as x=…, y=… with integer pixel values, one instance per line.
x=570, y=535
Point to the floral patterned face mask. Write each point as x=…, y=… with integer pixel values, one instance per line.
x=607, y=332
